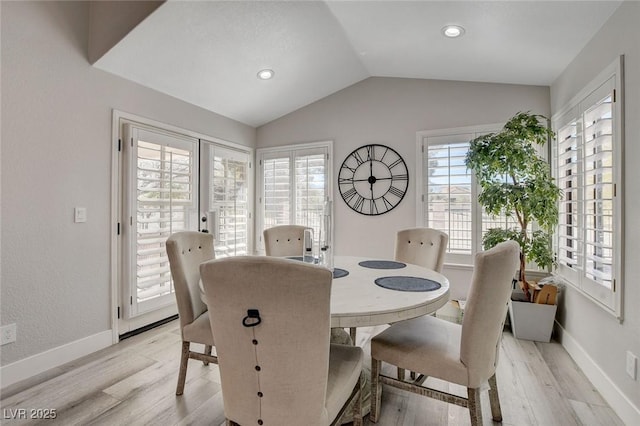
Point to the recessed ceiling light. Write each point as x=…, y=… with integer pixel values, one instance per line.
x=453, y=31
x=265, y=74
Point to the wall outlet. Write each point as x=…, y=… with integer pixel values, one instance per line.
x=632, y=365
x=8, y=334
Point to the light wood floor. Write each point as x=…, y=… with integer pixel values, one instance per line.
x=134, y=383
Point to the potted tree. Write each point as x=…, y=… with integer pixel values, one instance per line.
x=516, y=181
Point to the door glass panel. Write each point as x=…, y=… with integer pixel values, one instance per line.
x=227, y=193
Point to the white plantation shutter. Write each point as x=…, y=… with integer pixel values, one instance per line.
x=276, y=199
x=448, y=190
x=163, y=186
x=569, y=167
x=587, y=158
x=311, y=193
x=598, y=191
x=294, y=185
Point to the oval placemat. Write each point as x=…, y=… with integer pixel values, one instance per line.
x=339, y=273
x=382, y=264
x=407, y=283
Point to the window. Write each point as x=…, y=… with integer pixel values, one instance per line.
x=294, y=185
x=587, y=164
x=448, y=194
x=448, y=190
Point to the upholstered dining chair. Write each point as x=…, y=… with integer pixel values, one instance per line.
x=287, y=240
x=271, y=320
x=186, y=251
x=424, y=247
x=284, y=240
x=465, y=354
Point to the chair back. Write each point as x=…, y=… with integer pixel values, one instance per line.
x=186, y=251
x=275, y=371
x=284, y=240
x=486, y=310
x=424, y=247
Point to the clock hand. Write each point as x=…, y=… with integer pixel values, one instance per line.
x=371, y=178
x=367, y=179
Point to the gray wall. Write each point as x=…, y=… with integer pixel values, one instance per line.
x=390, y=111
x=601, y=336
x=56, y=154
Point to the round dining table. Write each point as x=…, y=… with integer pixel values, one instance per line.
x=358, y=298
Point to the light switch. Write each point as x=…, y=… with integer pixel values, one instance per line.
x=80, y=214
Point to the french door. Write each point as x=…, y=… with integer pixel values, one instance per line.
x=173, y=182
x=225, y=198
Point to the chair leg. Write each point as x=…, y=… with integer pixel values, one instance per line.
x=475, y=407
x=376, y=390
x=400, y=373
x=207, y=350
x=182, y=374
x=352, y=333
x=494, y=399
x=357, y=406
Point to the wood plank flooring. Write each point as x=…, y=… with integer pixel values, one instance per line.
x=133, y=383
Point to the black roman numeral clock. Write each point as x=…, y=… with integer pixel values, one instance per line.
x=373, y=179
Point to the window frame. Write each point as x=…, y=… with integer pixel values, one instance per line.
x=421, y=198
x=289, y=150
x=610, y=300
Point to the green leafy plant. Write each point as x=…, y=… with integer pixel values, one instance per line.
x=516, y=181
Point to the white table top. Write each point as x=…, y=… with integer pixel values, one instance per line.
x=357, y=301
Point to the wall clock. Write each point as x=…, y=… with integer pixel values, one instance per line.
x=373, y=179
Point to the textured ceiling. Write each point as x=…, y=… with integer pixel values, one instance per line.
x=208, y=53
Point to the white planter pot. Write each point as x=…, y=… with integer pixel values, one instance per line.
x=532, y=321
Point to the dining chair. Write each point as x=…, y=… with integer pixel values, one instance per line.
x=271, y=320
x=186, y=251
x=288, y=240
x=284, y=240
x=465, y=354
x=424, y=247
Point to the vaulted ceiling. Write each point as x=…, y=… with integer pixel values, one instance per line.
x=208, y=53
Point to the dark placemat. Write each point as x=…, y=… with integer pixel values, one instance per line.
x=407, y=283
x=339, y=273
x=382, y=264
x=307, y=259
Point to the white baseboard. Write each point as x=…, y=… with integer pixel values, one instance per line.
x=618, y=401
x=39, y=363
